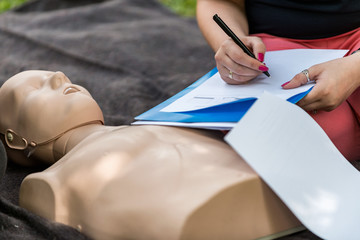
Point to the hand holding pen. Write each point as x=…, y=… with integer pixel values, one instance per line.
x=236, y=61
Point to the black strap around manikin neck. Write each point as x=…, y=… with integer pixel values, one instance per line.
x=15, y=141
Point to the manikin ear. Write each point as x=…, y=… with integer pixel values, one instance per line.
x=16, y=156
x=14, y=141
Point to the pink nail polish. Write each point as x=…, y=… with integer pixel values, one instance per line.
x=261, y=57
x=263, y=68
x=285, y=84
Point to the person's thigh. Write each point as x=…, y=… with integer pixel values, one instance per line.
x=342, y=127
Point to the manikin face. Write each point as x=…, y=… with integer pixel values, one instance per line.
x=39, y=105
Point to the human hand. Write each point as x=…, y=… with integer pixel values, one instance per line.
x=335, y=81
x=235, y=66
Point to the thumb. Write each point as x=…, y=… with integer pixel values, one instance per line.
x=298, y=80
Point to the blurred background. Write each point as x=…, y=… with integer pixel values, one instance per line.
x=184, y=8
x=8, y=4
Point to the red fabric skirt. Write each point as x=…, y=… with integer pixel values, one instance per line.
x=342, y=125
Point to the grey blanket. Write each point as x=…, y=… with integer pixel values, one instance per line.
x=130, y=54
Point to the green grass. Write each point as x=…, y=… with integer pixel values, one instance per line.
x=182, y=7
x=8, y=4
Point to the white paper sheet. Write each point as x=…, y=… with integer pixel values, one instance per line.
x=294, y=156
x=283, y=66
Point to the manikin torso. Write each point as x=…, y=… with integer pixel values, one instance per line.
x=143, y=182
x=169, y=182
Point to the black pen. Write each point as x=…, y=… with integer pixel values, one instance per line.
x=231, y=34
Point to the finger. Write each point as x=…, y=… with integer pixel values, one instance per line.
x=231, y=77
x=297, y=81
x=258, y=48
x=311, y=97
x=310, y=106
x=226, y=74
x=222, y=64
x=317, y=105
x=249, y=62
x=241, y=58
x=314, y=101
x=311, y=101
x=239, y=73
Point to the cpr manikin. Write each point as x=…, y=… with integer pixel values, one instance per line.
x=129, y=182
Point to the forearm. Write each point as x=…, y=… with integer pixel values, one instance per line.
x=231, y=11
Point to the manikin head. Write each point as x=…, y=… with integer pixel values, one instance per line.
x=37, y=107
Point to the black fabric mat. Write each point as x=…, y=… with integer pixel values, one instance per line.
x=130, y=54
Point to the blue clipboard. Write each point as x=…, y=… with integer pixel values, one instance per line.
x=227, y=112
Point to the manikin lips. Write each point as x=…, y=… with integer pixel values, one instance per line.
x=70, y=90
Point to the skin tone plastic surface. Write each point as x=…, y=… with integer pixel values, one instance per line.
x=129, y=182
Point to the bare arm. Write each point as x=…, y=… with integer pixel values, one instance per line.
x=235, y=67
x=232, y=12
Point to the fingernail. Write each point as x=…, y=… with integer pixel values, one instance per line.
x=263, y=68
x=261, y=57
x=285, y=84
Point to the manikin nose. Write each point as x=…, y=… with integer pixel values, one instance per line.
x=57, y=80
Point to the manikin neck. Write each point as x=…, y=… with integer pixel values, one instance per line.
x=70, y=139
